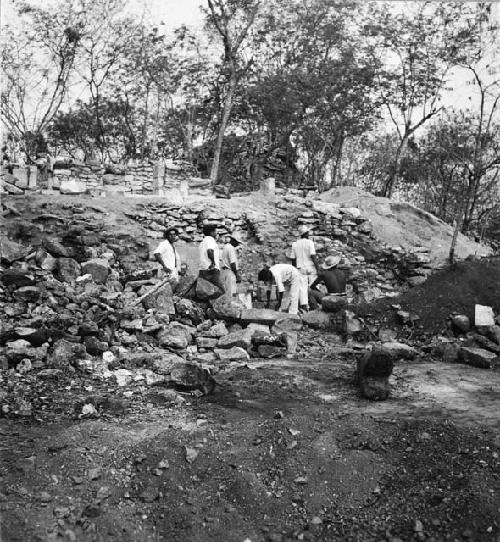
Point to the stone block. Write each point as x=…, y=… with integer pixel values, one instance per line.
x=478, y=357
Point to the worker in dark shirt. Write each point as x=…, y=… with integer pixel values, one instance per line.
x=265, y=279
x=334, y=279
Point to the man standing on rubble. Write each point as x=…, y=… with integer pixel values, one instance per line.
x=209, y=256
x=304, y=258
x=288, y=279
x=167, y=255
x=230, y=274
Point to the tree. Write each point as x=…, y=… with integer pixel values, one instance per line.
x=419, y=47
x=38, y=61
x=231, y=19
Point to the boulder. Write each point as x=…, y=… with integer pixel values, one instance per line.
x=162, y=301
x=11, y=252
x=166, y=363
x=227, y=308
x=478, y=357
x=206, y=290
x=271, y=351
x=242, y=338
x=400, y=350
x=29, y=294
x=189, y=376
x=98, y=268
x=461, y=323
x=484, y=342
x=176, y=335
x=57, y=249
x=231, y=354
x=352, y=325
x=373, y=373
x=67, y=269
x=492, y=332
x=65, y=353
x=216, y=331
x=317, y=319
x=72, y=186
x=333, y=303
x=288, y=323
x=17, y=277
x=206, y=342
x=20, y=349
x=36, y=337
x=88, y=328
x=185, y=286
x=123, y=377
x=259, y=329
x=185, y=308
x=94, y=346
x=44, y=260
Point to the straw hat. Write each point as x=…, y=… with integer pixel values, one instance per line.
x=303, y=229
x=237, y=238
x=331, y=261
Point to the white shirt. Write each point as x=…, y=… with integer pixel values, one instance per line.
x=302, y=250
x=229, y=256
x=170, y=257
x=208, y=243
x=284, y=273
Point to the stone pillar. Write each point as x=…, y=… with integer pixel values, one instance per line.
x=184, y=188
x=268, y=187
x=22, y=176
x=158, y=176
x=32, y=176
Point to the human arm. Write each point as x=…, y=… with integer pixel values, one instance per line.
x=211, y=257
x=234, y=269
x=159, y=258
x=316, y=283
x=279, y=296
x=315, y=260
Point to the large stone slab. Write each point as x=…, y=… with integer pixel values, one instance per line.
x=227, y=308
x=317, y=319
x=72, y=186
x=260, y=316
x=242, y=338
x=478, y=357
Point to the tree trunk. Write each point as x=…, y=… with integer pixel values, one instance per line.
x=145, y=125
x=393, y=178
x=226, y=112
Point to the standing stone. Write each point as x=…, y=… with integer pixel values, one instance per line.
x=374, y=370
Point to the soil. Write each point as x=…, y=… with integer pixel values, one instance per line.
x=402, y=224
x=454, y=290
x=283, y=450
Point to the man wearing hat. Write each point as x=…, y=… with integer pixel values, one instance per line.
x=230, y=274
x=166, y=254
x=288, y=280
x=304, y=258
x=334, y=280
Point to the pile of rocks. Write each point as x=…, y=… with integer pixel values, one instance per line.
x=473, y=343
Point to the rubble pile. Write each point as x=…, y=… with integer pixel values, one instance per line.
x=475, y=342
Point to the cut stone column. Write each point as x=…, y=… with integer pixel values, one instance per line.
x=268, y=186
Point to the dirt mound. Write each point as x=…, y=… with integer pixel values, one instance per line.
x=455, y=289
x=400, y=223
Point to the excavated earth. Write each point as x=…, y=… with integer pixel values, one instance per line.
x=283, y=449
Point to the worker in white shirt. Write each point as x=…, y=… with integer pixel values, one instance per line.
x=229, y=263
x=209, y=256
x=288, y=279
x=166, y=254
x=303, y=256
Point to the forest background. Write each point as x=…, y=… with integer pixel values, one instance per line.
x=398, y=98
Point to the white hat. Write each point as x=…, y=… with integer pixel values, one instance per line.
x=331, y=261
x=236, y=237
x=303, y=229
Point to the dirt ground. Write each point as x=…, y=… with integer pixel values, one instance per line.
x=283, y=450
